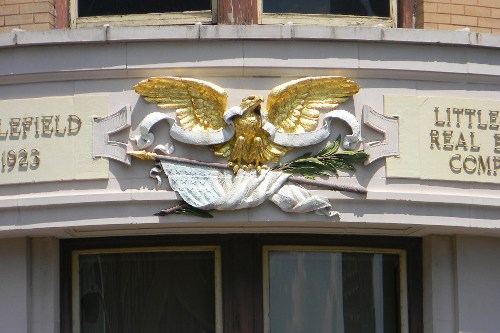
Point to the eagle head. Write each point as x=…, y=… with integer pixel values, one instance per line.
x=250, y=147
x=250, y=105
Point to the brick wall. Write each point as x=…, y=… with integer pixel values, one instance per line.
x=478, y=15
x=27, y=15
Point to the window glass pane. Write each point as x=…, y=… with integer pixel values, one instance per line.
x=341, y=7
x=124, y=7
x=345, y=292
x=150, y=292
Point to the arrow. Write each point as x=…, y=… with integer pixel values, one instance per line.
x=144, y=155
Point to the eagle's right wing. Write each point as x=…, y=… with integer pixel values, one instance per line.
x=293, y=107
x=199, y=105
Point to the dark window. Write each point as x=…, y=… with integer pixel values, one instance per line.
x=340, y=7
x=262, y=283
x=333, y=291
x=154, y=292
x=124, y=7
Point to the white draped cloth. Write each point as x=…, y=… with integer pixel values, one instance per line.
x=213, y=188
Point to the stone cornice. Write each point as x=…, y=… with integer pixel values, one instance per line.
x=110, y=34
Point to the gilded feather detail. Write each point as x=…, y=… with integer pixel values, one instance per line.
x=293, y=107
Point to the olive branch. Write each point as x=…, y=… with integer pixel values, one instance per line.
x=185, y=208
x=326, y=162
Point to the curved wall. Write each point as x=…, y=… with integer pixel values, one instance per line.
x=104, y=64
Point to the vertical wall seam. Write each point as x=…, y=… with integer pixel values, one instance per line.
x=29, y=285
x=454, y=244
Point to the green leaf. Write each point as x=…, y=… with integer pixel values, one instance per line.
x=335, y=164
x=325, y=163
x=330, y=149
x=309, y=161
x=357, y=156
x=340, y=164
x=307, y=172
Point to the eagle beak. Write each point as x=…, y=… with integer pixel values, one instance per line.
x=255, y=103
x=248, y=104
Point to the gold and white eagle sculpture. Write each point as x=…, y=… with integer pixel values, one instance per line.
x=292, y=108
x=249, y=135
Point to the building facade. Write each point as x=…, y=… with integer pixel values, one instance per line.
x=96, y=239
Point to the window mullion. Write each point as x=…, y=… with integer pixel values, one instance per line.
x=62, y=11
x=242, y=285
x=406, y=14
x=234, y=12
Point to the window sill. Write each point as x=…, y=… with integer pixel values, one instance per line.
x=326, y=19
x=144, y=19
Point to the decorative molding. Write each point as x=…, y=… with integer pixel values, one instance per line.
x=104, y=127
x=258, y=138
x=389, y=126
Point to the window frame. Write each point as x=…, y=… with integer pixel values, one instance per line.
x=151, y=19
x=330, y=19
x=230, y=12
x=75, y=283
x=403, y=288
x=242, y=268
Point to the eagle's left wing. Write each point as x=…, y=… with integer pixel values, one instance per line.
x=199, y=105
x=293, y=107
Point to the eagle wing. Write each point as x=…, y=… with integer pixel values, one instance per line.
x=199, y=105
x=293, y=107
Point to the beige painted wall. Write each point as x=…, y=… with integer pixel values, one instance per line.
x=461, y=291
x=29, y=285
x=460, y=276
